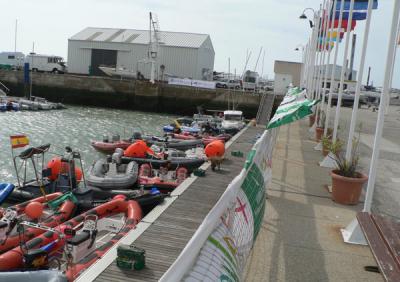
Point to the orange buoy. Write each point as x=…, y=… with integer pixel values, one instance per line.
x=58, y=167
x=55, y=165
x=215, y=149
x=137, y=150
x=78, y=174
x=34, y=210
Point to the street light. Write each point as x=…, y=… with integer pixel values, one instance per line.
x=303, y=16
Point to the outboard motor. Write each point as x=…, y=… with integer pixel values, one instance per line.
x=83, y=243
x=7, y=223
x=137, y=135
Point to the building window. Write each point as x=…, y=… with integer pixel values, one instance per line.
x=11, y=57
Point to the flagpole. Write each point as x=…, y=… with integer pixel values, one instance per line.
x=359, y=82
x=393, y=62
x=332, y=28
x=321, y=60
x=325, y=51
x=341, y=86
x=316, y=53
x=328, y=107
x=382, y=104
x=324, y=74
x=352, y=233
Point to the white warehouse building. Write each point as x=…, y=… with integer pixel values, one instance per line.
x=180, y=54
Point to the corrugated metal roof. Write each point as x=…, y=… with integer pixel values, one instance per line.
x=168, y=38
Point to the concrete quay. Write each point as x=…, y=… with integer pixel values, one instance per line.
x=300, y=238
x=131, y=94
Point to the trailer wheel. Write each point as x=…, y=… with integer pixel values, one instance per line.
x=55, y=71
x=35, y=70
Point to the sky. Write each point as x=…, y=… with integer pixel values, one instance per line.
x=235, y=27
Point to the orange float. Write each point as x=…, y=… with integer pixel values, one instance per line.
x=215, y=149
x=34, y=210
x=57, y=167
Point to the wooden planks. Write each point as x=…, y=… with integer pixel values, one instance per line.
x=168, y=235
x=380, y=242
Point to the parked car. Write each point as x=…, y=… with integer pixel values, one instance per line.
x=225, y=83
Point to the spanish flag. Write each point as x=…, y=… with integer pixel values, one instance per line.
x=19, y=141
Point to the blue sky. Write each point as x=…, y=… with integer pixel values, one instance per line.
x=235, y=26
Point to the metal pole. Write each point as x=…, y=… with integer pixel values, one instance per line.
x=15, y=38
x=346, y=51
x=393, y=63
x=359, y=81
x=328, y=107
x=331, y=30
x=326, y=28
x=382, y=104
x=322, y=61
x=317, y=52
x=312, y=57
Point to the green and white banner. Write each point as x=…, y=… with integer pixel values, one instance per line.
x=294, y=106
x=220, y=247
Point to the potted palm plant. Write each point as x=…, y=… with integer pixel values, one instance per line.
x=347, y=180
x=320, y=126
x=328, y=145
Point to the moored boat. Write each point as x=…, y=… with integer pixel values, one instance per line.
x=85, y=239
x=112, y=174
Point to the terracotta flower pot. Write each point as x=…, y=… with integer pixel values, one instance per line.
x=312, y=119
x=347, y=190
x=318, y=133
x=325, y=151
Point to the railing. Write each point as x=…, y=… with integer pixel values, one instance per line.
x=4, y=89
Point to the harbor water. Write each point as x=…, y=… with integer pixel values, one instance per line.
x=75, y=127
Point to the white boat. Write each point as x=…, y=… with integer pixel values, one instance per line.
x=119, y=72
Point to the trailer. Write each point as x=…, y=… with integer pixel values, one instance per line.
x=12, y=60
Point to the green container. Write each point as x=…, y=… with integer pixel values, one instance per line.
x=199, y=172
x=125, y=264
x=238, y=154
x=130, y=257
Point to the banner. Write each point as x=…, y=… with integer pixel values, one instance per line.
x=192, y=83
x=220, y=247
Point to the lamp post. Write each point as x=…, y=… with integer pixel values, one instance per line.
x=312, y=50
x=302, y=62
x=303, y=16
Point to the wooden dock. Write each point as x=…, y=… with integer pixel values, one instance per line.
x=166, y=237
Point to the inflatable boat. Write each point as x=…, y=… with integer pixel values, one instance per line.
x=85, y=239
x=5, y=191
x=10, y=236
x=166, y=142
x=112, y=174
x=164, y=180
x=173, y=163
x=109, y=147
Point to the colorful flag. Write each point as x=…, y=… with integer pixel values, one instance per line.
x=357, y=16
x=19, y=141
x=358, y=5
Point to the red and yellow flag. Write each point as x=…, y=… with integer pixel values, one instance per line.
x=19, y=141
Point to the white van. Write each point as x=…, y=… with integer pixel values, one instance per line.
x=250, y=80
x=45, y=63
x=12, y=60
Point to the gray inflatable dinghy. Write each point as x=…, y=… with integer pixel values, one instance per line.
x=113, y=174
